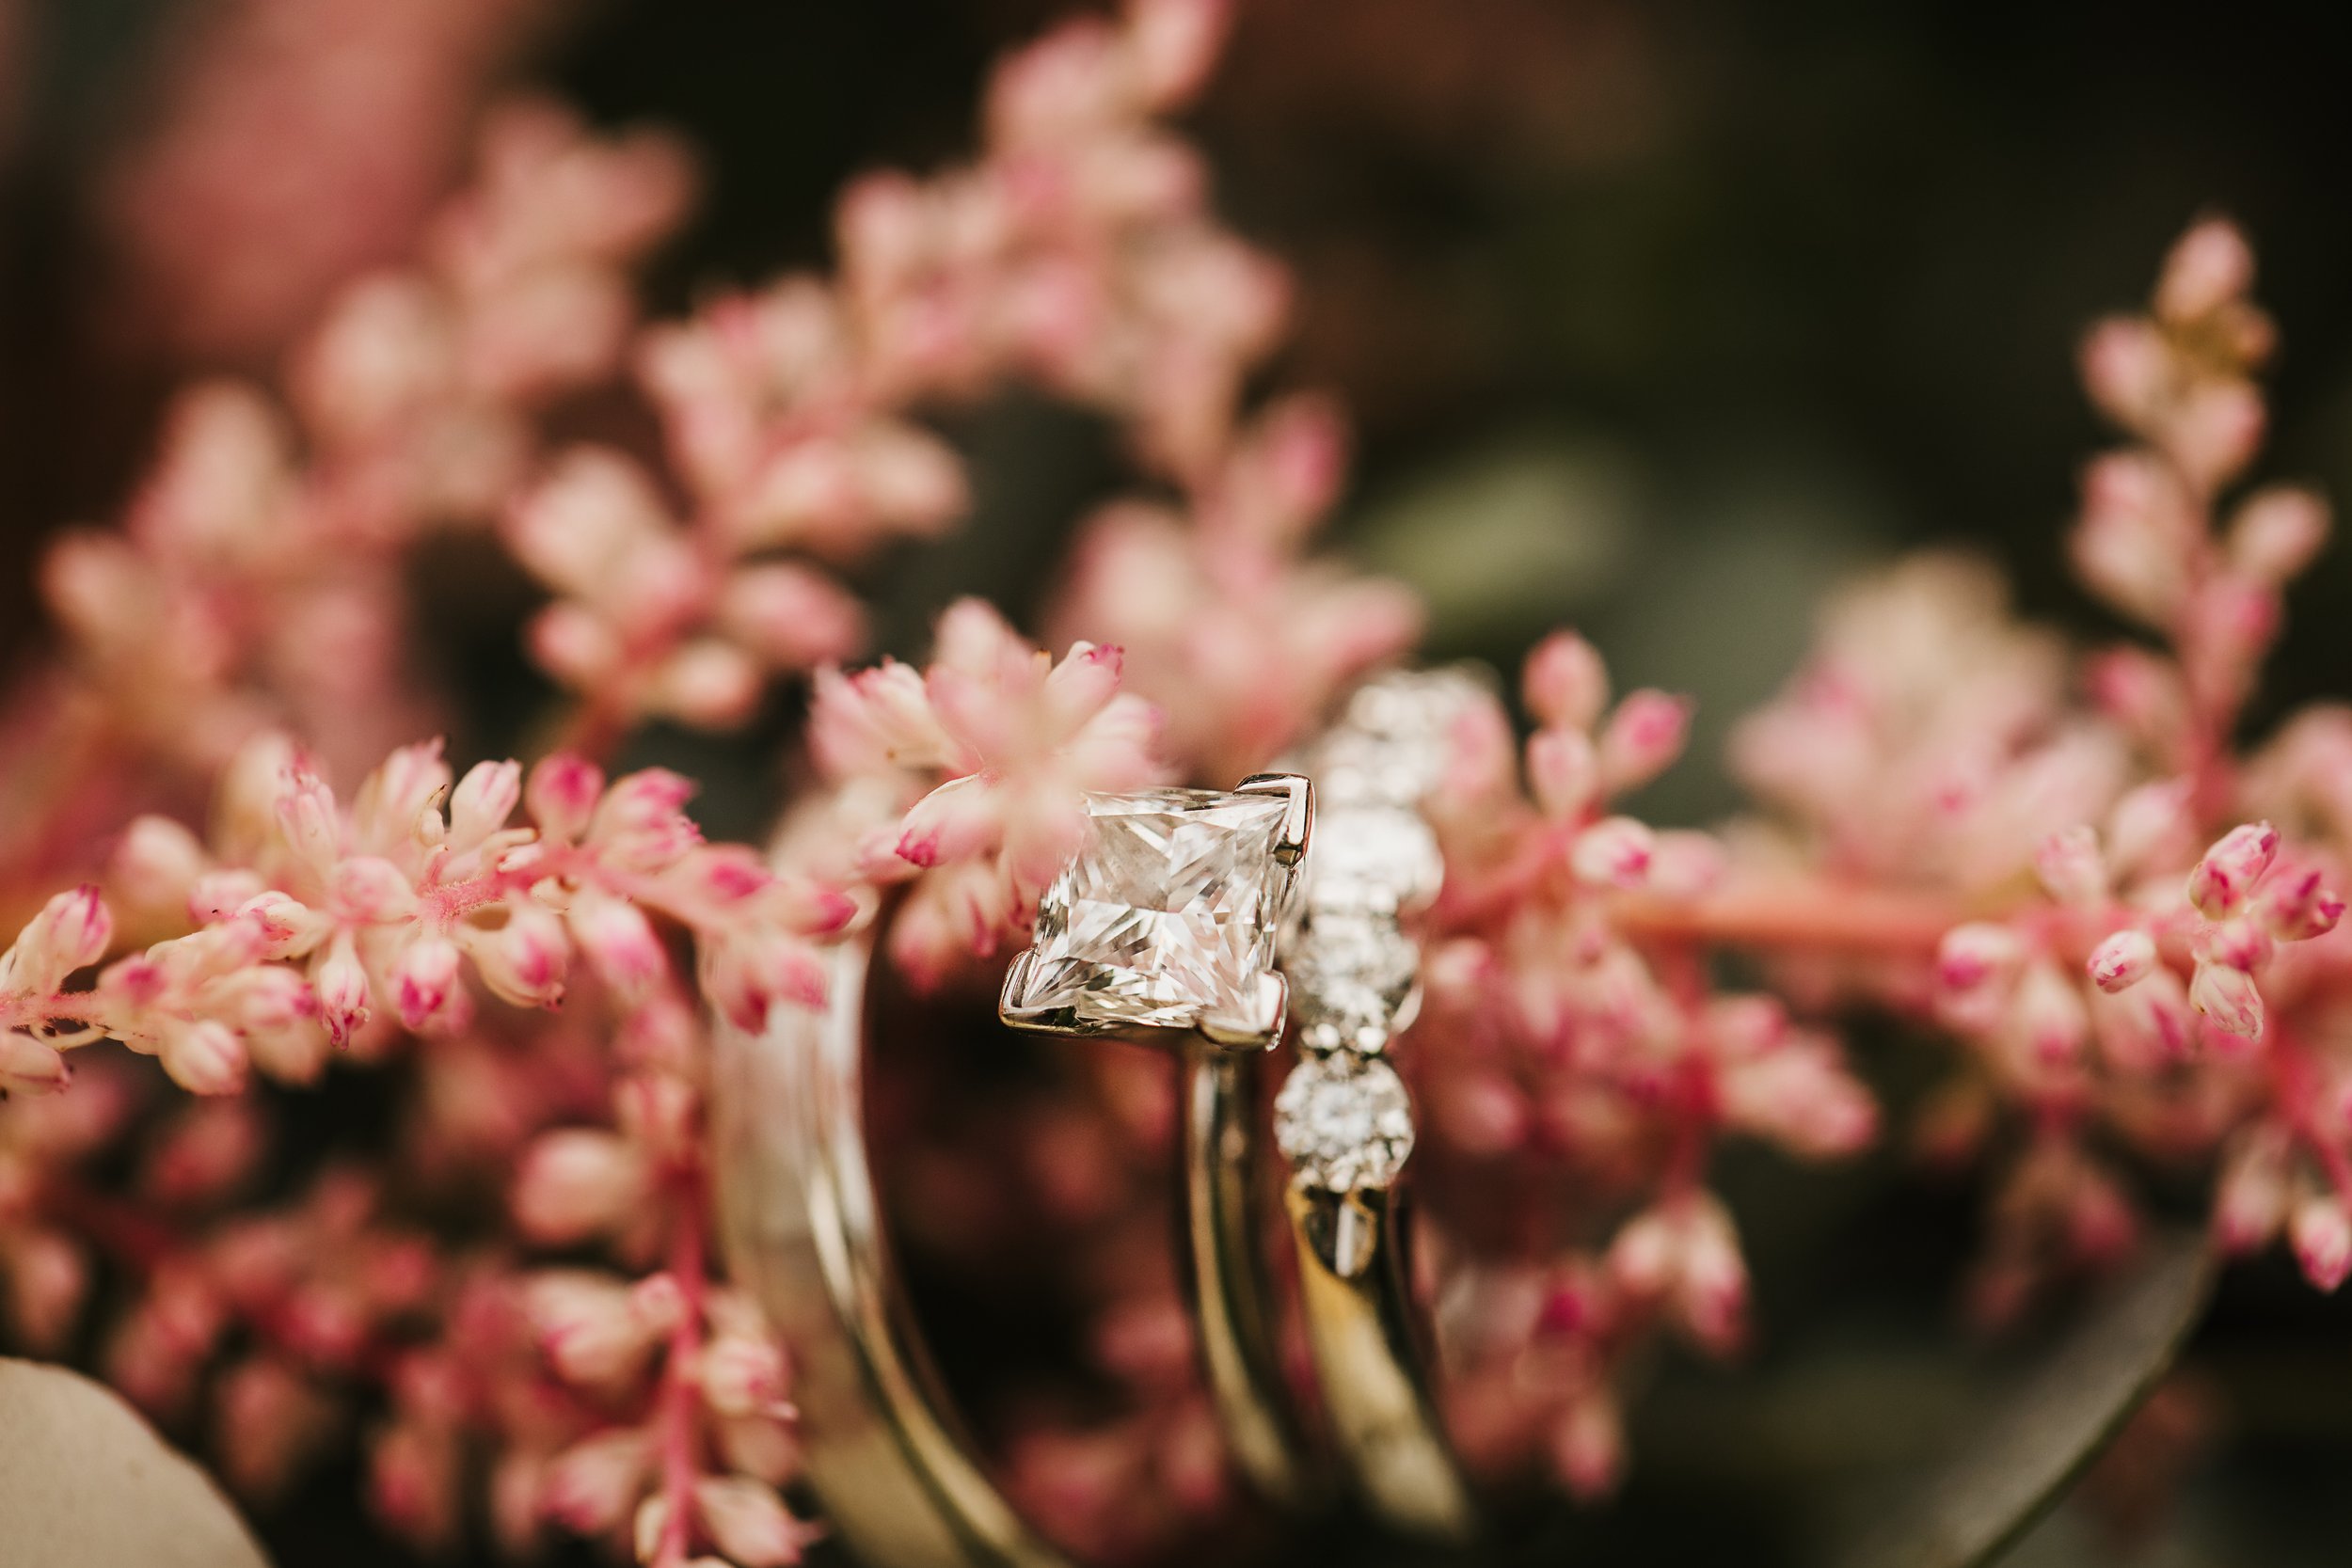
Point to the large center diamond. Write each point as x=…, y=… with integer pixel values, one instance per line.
x=1168, y=914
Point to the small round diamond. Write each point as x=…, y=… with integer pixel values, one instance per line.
x=1372, y=859
x=1343, y=1123
x=1350, y=976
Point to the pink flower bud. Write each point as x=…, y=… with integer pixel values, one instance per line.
x=2126, y=367
x=2135, y=540
x=747, y=1522
x=70, y=931
x=307, y=819
x=2149, y=825
x=1175, y=45
x=2140, y=692
x=524, y=960
x=1588, y=1445
x=157, y=863
x=47, y=1278
x=709, y=684
x=203, y=1057
x=2148, y=1025
x=960, y=819
x=216, y=895
x=1977, y=956
x=576, y=1184
x=1643, y=738
x=1614, y=852
x=482, y=801
x=1646, y=1256
x=28, y=1066
x=792, y=617
x=425, y=980
x=2049, y=1015
x=2226, y=874
x=741, y=1376
x=619, y=943
x=2208, y=267
x=658, y=1113
x=2214, y=430
x=2252, y=1201
x=2123, y=961
x=658, y=1302
x=1564, y=772
x=2240, y=944
x=1084, y=680
x=2322, y=1234
x=2227, y=997
x=1564, y=682
x=589, y=1329
x=1301, y=445
x=650, y=1526
x=562, y=795
x=2293, y=906
x=2278, y=532
x=340, y=984
x=2069, y=867
x=592, y=1485
x=371, y=892
x=640, y=824
x=1711, y=1297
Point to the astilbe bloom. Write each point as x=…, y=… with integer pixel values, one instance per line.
x=319, y=925
x=971, y=774
x=1241, y=641
x=1075, y=252
x=1573, y=1050
x=257, y=578
x=2120, y=1012
x=293, y=142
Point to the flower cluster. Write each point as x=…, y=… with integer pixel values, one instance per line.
x=1077, y=253
x=2139, y=1002
x=1574, y=1051
x=257, y=578
x=1017, y=738
x=1241, y=642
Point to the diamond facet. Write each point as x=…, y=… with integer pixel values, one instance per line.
x=1343, y=1122
x=1165, y=918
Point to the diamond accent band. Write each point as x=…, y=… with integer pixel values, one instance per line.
x=1343, y=1118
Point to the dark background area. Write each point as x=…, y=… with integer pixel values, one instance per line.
x=1658, y=318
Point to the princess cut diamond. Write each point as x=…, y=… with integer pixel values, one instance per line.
x=1165, y=919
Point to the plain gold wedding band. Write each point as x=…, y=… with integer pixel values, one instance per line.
x=896, y=1475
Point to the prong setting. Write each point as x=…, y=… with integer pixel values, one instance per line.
x=1257, y=1029
x=1298, y=823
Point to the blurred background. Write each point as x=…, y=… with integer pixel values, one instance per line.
x=1658, y=318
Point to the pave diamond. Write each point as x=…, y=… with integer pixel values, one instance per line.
x=1166, y=916
x=1343, y=1122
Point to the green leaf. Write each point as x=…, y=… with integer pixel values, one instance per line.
x=2039, y=1433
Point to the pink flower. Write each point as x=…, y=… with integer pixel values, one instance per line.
x=576, y=1184
x=2123, y=961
